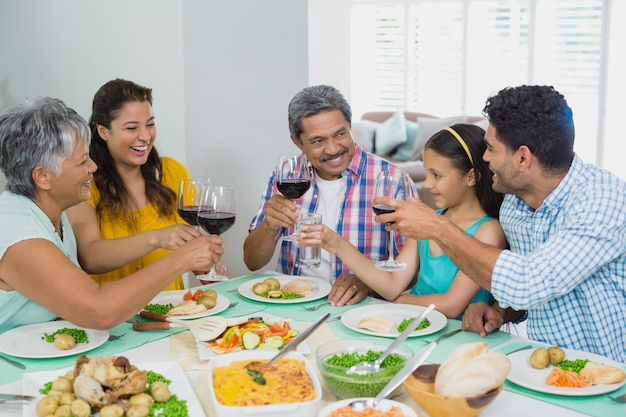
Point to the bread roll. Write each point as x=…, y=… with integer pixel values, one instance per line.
x=377, y=324
x=457, y=359
x=299, y=286
x=478, y=376
x=186, y=308
x=471, y=370
x=598, y=373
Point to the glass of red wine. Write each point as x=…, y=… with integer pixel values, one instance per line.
x=216, y=214
x=396, y=185
x=189, y=193
x=293, y=179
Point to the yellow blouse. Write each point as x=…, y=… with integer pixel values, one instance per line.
x=147, y=219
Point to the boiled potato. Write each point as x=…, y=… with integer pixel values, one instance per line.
x=539, y=358
x=160, y=391
x=63, y=411
x=62, y=384
x=208, y=302
x=138, y=410
x=260, y=288
x=210, y=293
x=47, y=406
x=273, y=283
x=111, y=410
x=67, y=398
x=64, y=341
x=141, y=399
x=556, y=354
x=80, y=408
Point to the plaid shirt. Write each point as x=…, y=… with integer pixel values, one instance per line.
x=356, y=221
x=567, y=263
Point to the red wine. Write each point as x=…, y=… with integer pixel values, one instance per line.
x=189, y=214
x=216, y=222
x=293, y=189
x=381, y=209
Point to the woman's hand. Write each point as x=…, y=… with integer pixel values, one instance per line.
x=175, y=236
x=202, y=252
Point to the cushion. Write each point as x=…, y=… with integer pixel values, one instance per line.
x=391, y=133
x=363, y=133
x=404, y=152
x=427, y=126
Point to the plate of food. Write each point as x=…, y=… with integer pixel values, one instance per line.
x=182, y=393
x=389, y=319
x=51, y=339
x=591, y=374
x=258, y=332
x=188, y=304
x=284, y=289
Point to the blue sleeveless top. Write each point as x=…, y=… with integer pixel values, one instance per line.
x=437, y=272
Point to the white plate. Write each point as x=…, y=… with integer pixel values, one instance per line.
x=396, y=313
x=32, y=382
x=176, y=297
x=26, y=341
x=206, y=353
x=322, y=290
x=535, y=379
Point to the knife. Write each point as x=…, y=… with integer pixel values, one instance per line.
x=11, y=398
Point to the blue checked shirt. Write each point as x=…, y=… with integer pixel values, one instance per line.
x=356, y=221
x=567, y=263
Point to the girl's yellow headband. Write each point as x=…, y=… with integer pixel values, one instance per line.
x=462, y=142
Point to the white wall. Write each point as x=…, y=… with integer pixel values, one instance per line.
x=222, y=74
x=244, y=61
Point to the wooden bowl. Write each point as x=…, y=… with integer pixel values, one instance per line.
x=421, y=386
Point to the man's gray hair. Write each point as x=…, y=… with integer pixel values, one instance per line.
x=313, y=100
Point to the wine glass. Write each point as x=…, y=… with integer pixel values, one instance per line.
x=395, y=185
x=293, y=179
x=216, y=214
x=189, y=193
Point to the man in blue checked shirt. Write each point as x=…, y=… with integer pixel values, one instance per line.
x=342, y=188
x=565, y=222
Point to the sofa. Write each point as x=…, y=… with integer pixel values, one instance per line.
x=399, y=136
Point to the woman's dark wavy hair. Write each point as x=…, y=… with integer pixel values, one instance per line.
x=115, y=198
x=446, y=145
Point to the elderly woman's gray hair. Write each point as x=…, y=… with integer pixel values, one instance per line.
x=43, y=132
x=313, y=100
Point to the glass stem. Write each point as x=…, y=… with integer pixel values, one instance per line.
x=391, y=245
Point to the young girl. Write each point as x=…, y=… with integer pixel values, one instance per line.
x=460, y=182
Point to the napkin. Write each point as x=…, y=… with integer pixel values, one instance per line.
x=592, y=405
x=130, y=340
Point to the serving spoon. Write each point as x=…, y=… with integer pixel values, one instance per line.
x=256, y=367
x=363, y=368
x=413, y=364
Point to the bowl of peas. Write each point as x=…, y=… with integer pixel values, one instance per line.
x=335, y=357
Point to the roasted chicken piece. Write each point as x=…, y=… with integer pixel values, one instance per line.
x=103, y=380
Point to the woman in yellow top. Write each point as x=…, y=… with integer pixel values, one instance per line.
x=134, y=192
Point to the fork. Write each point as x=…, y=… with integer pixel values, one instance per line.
x=115, y=337
x=315, y=307
x=621, y=399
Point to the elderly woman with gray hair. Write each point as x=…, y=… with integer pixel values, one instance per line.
x=44, y=155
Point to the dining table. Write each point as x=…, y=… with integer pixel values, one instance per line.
x=178, y=346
